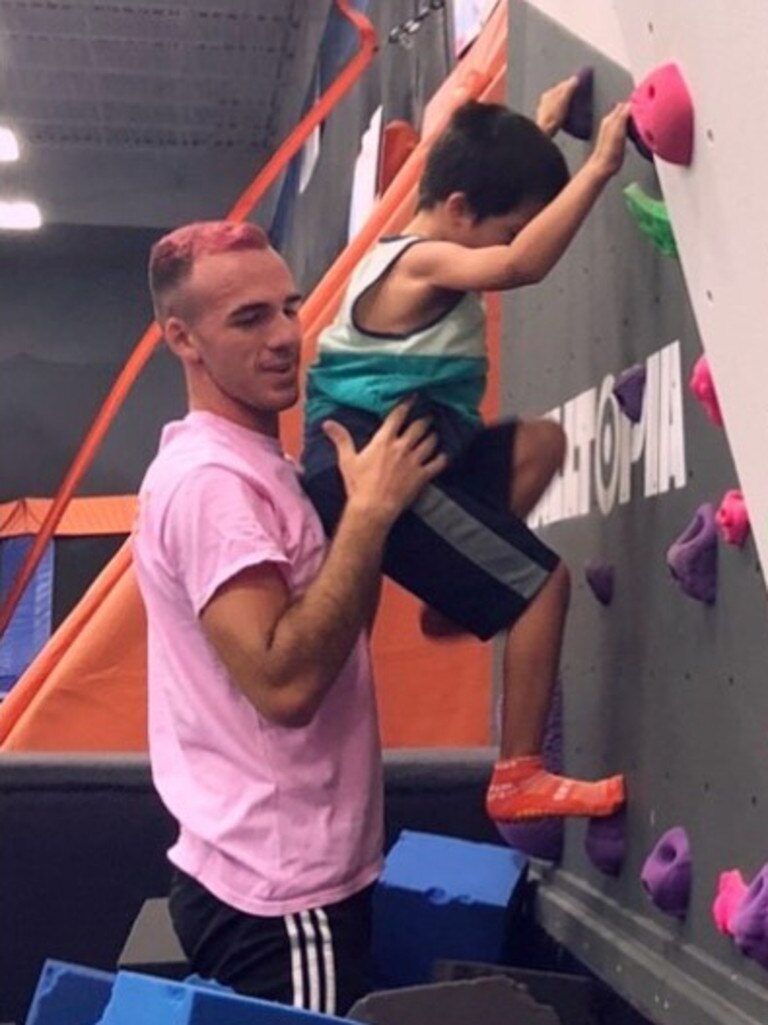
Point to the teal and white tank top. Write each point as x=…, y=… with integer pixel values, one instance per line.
x=445, y=361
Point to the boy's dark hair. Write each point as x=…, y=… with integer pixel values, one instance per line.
x=497, y=158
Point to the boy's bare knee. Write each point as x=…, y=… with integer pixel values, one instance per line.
x=554, y=442
x=560, y=580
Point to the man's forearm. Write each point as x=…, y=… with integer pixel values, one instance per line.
x=315, y=635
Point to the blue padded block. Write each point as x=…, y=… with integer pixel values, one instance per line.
x=69, y=994
x=441, y=898
x=146, y=1000
x=30, y=625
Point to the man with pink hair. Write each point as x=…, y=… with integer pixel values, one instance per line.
x=262, y=723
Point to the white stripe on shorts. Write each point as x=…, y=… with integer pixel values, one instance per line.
x=329, y=963
x=313, y=966
x=297, y=976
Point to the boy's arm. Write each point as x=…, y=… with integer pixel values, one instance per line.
x=285, y=653
x=537, y=248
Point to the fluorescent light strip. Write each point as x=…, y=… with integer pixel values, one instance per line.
x=20, y=215
x=9, y=146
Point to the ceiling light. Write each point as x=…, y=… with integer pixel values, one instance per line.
x=20, y=215
x=9, y=145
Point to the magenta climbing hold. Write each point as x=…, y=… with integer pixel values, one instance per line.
x=606, y=842
x=601, y=579
x=692, y=558
x=580, y=119
x=732, y=518
x=634, y=136
x=667, y=872
x=749, y=924
x=662, y=111
x=629, y=391
x=543, y=837
x=703, y=387
x=731, y=889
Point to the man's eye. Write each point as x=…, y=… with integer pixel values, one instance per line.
x=252, y=318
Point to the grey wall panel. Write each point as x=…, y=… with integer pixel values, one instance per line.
x=661, y=687
x=74, y=304
x=400, y=80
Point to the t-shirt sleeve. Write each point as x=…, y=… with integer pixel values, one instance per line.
x=217, y=524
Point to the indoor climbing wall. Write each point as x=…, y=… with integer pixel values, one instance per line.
x=663, y=686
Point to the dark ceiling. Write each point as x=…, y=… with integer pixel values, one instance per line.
x=147, y=114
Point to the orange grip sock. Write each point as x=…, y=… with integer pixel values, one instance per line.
x=521, y=788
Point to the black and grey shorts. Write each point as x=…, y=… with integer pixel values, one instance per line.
x=458, y=547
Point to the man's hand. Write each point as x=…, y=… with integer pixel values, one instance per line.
x=608, y=154
x=553, y=105
x=385, y=476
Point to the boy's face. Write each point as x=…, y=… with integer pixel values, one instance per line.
x=496, y=229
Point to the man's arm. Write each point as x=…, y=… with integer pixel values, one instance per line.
x=541, y=243
x=286, y=654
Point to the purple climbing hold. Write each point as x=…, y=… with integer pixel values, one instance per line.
x=601, y=579
x=538, y=838
x=580, y=119
x=634, y=136
x=749, y=925
x=667, y=871
x=606, y=842
x=544, y=837
x=692, y=558
x=629, y=390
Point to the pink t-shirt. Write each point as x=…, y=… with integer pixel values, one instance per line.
x=273, y=820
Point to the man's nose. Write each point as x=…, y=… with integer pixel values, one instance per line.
x=286, y=335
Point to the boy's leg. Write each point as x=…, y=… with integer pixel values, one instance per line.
x=521, y=788
x=484, y=569
x=537, y=451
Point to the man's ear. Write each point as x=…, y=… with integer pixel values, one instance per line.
x=179, y=339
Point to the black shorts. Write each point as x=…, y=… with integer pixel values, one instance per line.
x=458, y=547
x=317, y=959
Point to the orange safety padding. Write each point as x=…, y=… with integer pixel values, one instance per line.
x=86, y=690
x=95, y=516
x=398, y=140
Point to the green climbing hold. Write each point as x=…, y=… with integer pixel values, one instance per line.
x=651, y=218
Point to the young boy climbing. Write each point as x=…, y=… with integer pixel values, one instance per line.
x=496, y=211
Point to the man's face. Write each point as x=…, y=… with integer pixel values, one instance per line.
x=240, y=310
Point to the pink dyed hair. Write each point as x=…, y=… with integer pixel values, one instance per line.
x=172, y=257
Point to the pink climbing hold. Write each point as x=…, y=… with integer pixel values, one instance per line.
x=732, y=518
x=730, y=893
x=579, y=121
x=601, y=579
x=692, y=558
x=749, y=924
x=703, y=387
x=629, y=390
x=667, y=872
x=662, y=111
